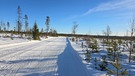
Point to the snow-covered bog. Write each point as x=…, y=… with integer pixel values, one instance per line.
x=124, y=49
x=53, y=56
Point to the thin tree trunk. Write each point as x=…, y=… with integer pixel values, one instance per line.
x=130, y=54
x=117, y=73
x=130, y=48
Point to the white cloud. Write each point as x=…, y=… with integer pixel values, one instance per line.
x=113, y=5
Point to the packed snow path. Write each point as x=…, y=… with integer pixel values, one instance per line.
x=51, y=57
x=70, y=64
x=35, y=58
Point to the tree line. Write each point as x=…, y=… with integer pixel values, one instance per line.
x=18, y=29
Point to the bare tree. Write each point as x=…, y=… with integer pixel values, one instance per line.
x=47, y=22
x=19, y=23
x=132, y=31
x=74, y=28
x=107, y=32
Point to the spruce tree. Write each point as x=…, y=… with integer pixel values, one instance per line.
x=35, y=32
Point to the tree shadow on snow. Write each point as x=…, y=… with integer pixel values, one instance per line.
x=70, y=63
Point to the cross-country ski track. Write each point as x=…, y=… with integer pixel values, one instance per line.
x=50, y=57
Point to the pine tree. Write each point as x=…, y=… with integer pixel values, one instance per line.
x=110, y=53
x=42, y=31
x=26, y=23
x=95, y=60
x=112, y=50
x=19, y=23
x=55, y=32
x=120, y=41
x=8, y=25
x=35, y=32
x=95, y=46
x=88, y=54
x=103, y=64
x=114, y=45
x=47, y=22
x=4, y=27
x=118, y=71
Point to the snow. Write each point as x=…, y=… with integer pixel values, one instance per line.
x=90, y=65
x=34, y=58
x=48, y=57
x=91, y=71
x=54, y=56
x=6, y=41
x=70, y=64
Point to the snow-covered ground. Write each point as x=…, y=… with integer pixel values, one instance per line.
x=5, y=41
x=70, y=63
x=49, y=57
x=55, y=56
x=90, y=65
x=33, y=58
x=91, y=71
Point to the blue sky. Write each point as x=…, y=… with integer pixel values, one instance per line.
x=93, y=16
